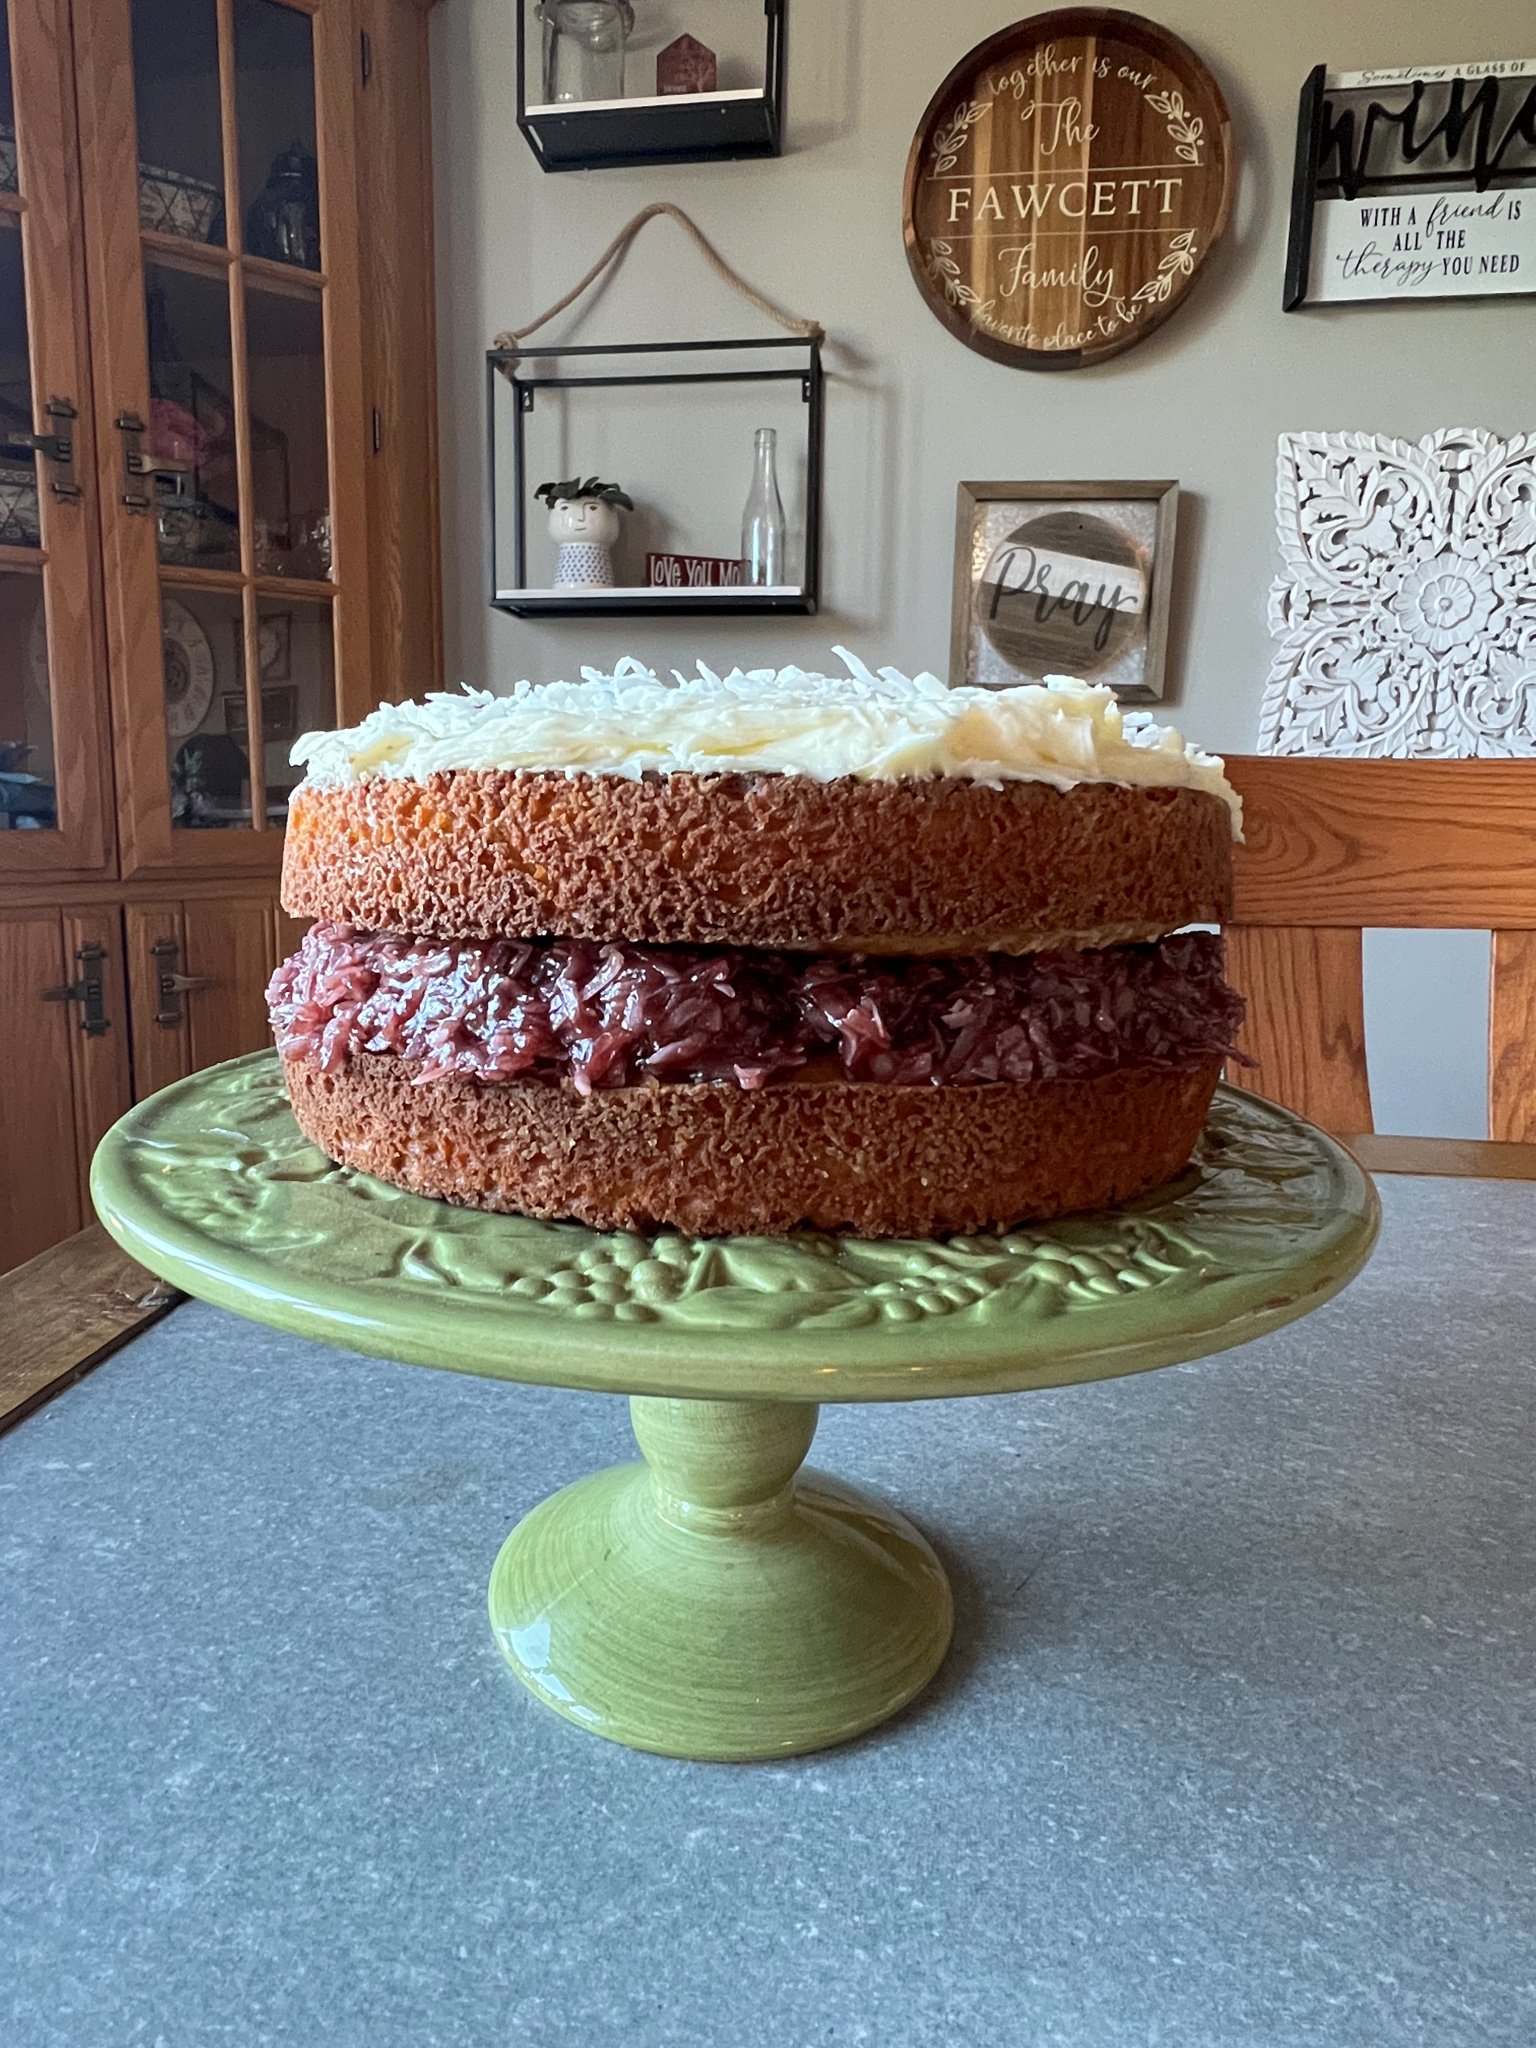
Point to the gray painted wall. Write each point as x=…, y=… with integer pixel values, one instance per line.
x=911, y=411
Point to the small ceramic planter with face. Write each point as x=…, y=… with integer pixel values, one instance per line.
x=584, y=521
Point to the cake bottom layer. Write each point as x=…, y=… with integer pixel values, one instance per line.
x=717, y=1160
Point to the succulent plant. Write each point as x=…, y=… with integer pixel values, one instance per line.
x=574, y=489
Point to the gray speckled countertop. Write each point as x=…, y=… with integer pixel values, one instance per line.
x=1234, y=1750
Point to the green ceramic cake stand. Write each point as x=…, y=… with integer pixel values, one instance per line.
x=715, y=1601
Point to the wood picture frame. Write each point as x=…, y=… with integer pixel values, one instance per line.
x=1064, y=578
x=1414, y=183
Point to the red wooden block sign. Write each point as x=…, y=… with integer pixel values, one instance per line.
x=692, y=572
x=686, y=66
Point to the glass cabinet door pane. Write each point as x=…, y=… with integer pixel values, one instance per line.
x=181, y=128
x=7, y=108
x=27, y=799
x=192, y=418
x=205, y=739
x=290, y=485
x=296, y=640
x=275, y=111
x=19, y=523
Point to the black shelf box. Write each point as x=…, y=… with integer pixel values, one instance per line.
x=533, y=369
x=678, y=128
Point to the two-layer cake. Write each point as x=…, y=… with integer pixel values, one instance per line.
x=738, y=953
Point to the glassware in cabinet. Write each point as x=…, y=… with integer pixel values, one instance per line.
x=243, y=442
x=54, y=763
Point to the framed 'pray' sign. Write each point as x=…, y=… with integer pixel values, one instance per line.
x=1066, y=186
x=1063, y=579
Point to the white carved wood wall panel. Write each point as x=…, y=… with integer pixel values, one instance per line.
x=1404, y=616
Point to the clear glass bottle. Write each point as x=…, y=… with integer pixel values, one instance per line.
x=762, y=522
x=584, y=49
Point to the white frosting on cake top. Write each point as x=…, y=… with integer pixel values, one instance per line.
x=883, y=727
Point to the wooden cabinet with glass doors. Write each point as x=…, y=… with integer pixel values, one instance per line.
x=55, y=766
x=217, y=513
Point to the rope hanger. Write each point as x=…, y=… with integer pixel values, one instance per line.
x=807, y=330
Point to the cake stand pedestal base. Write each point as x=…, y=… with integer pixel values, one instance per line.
x=712, y=1604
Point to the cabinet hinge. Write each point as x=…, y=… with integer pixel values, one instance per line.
x=365, y=54
x=58, y=447
x=378, y=430
x=170, y=984
x=88, y=991
x=136, y=463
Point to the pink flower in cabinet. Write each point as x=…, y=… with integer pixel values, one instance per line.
x=174, y=435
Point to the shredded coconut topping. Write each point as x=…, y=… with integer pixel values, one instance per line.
x=883, y=727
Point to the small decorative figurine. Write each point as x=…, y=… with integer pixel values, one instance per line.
x=686, y=66
x=584, y=519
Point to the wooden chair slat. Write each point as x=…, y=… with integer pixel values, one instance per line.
x=1306, y=1021
x=1512, y=1038
x=1399, y=844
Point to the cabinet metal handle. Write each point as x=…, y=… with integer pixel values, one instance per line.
x=171, y=984
x=89, y=991
x=136, y=463
x=57, y=447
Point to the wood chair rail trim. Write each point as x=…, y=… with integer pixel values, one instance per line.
x=1401, y=844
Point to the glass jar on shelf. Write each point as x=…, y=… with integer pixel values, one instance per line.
x=584, y=49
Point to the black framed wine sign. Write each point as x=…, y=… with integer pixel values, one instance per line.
x=1414, y=184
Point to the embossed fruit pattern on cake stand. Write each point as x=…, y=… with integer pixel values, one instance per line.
x=716, y=1601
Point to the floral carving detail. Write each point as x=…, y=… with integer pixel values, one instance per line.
x=223, y=1157
x=1178, y=261
x=1404, y=616
x=944, y=273
x=1185, y=130
x=949, y=142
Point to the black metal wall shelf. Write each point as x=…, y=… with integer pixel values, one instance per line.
x=679, y=128
x=639, y=601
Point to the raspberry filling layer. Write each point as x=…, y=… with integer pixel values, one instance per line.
x=613, y=1016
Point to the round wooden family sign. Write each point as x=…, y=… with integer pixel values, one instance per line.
x=1066, y=186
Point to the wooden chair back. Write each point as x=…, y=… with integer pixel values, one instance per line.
x=1332, y=847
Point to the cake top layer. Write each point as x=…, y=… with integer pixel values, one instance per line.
x=884, y=727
